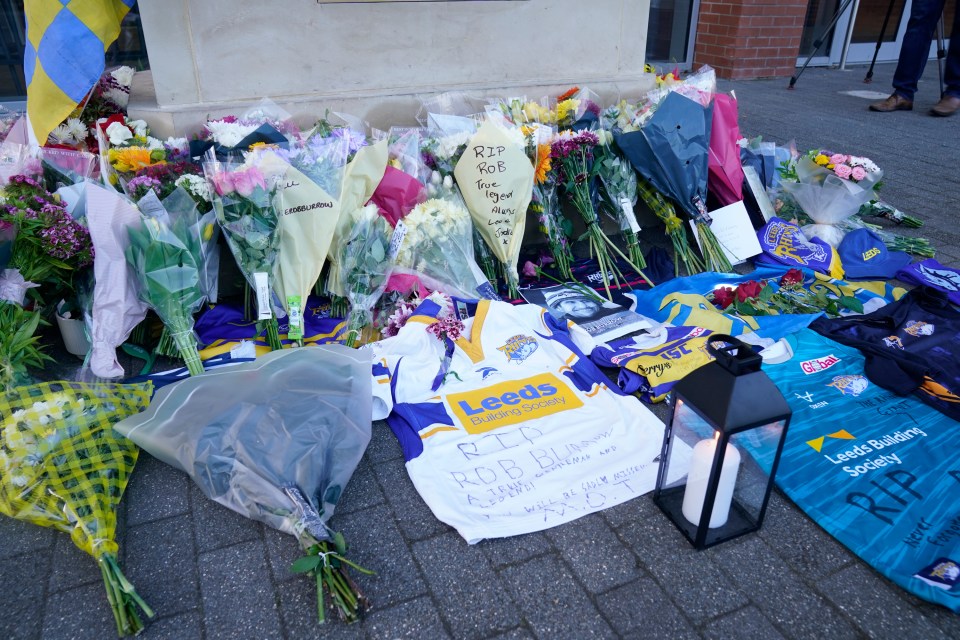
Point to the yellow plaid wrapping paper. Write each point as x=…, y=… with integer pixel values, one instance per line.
x=64, y=54
x=61, y=463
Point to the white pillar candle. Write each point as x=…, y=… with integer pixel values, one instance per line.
x=700, y=462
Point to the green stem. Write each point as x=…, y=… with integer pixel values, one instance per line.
x=273, y=334
x=187, y=346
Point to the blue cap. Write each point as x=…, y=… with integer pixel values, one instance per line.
x=864, y=255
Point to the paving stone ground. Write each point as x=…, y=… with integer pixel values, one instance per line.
x=622, y=573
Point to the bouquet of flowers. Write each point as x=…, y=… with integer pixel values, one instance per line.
x=63, y=466
x=829, y=188
x=245, y=210
x=20, y=348
x=252, y=438
x=496, y=179
x=434, y=242
x=229, y=137
x=787, y=295
x=366, y=268
x=308, y=207
x=573, y=152
x=50, y=246
x=619, y=181
x=361, y=178
x=126, y=148
x=166, y=255
x=673, y=227
x=669, y=146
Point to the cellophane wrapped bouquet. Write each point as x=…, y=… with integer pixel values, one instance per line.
x=63, y=466
x=365, y=263
x=244, y=204
x=166, y=252
x=829, y=187
x=275, y=440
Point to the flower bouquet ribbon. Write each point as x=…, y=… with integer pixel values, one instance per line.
x=496, y=179
x=275, y=440
x=245, y=210
x=63, y=466
x=166, y=255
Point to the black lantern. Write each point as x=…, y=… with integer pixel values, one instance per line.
x=721, y=448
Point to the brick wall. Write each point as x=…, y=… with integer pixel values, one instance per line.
x=749, y=38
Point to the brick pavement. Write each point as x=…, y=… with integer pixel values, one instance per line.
x=622, y=573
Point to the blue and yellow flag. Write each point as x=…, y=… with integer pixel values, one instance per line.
x=64, y=55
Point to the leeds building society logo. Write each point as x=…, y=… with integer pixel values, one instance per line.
x=817, y=443
x=519, y=348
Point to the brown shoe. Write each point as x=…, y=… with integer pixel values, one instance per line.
x=947, y=106
x=893, y=103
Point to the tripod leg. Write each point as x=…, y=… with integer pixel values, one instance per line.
x=941, y=52
x=883, y=32
x=820, y=41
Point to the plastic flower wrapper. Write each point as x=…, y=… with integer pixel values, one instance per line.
x=361, y=177
x=670, y=149
x=496, y=180
x=63, y=466
x=829, y=188
x=244, y=204
x=434, y=242
x=20, y=348
x=166, y=254
x=229, y=137
x=308, y=213
x=619, y=181
x=364, y=259
x=116, y=308
x=275, y=440
x=65, y=167
x=573, y=153
x=725, y=173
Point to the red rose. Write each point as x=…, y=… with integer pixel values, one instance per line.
x=748, y=289
x=117, y=117
x=723, y=297
x=791, y=277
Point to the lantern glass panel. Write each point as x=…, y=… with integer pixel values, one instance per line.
x=744, y=480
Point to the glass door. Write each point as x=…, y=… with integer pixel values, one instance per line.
x=868, y=29
x=671, y=32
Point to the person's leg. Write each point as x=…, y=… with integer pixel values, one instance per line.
x=916, y=46
x=951, y=72
x=949, y=102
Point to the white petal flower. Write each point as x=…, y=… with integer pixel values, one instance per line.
x=118, y=134
x=123, y=75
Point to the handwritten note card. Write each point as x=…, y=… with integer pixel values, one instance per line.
x=734, y=231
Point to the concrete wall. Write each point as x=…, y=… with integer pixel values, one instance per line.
x=372, y=59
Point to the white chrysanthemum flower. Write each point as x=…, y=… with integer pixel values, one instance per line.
x=139, y=127
x=196, y=185
x=118, y=97
x=123, y=75
x=118, y=134
x=177, y=144
x=154, y=143
x=229, y=134
x=448, y=145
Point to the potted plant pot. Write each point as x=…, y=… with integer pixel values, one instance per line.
x=73, y=330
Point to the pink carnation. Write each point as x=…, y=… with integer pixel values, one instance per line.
x=842, y=171
x=858, y=173
x=838, y=158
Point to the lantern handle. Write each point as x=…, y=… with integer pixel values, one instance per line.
x=736, y=356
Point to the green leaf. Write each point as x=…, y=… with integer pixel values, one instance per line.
x=377, y=251
x=851, y=303
x=306, y=564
